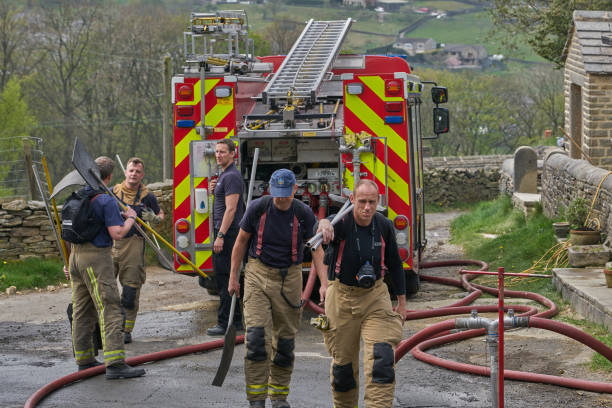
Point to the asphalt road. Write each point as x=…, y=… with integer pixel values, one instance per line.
x=35, y=350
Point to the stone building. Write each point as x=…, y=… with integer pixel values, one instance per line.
x=588, y=87
x=412, y=46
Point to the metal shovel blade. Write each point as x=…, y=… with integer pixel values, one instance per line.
x=85, y=164
x=164, y=259
x=229, y=342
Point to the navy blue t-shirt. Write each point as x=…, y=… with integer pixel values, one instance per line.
x=276, y=244
x=229, y=182
x=106, y=209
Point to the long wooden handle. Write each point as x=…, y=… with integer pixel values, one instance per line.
x=55, y=212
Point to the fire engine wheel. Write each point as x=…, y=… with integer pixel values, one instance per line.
x=412, y=282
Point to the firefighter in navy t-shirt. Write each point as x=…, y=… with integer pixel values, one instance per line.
x=94, y=288
x=279, y=227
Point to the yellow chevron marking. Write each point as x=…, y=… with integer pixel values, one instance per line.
x=377, y=85
x=376, y=123
x=396, y=183
x=217, y=114
x=181, y=192
x=201, y=257
x=181, y=149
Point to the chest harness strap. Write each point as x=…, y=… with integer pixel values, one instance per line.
x=294, y=236
x=383, y=268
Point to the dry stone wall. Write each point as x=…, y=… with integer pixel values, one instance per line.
x=564, y=179
x=25, y=230
x=451, y=180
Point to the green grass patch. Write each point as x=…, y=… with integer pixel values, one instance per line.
x=601, y=333
x=499, y=234
x=31, y=273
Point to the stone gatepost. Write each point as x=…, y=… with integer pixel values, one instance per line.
x=525, y=170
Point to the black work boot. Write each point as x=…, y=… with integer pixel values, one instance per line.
x=280, y=404
x=123, y=371
x=216, y=330
x=258, y=404
x=127, y=338
x=93, y=364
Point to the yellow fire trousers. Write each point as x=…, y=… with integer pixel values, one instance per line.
x=271, y=326
x=356, y=313
x=95, y=297
x=128, y=260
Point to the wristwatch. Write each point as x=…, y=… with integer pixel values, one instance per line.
x=220, y=235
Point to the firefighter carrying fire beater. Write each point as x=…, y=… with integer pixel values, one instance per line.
x=357, y=301
x=94, y=288
x=128, y=253
x=279, y=226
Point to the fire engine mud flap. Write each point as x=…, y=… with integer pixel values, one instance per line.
x=412, y=282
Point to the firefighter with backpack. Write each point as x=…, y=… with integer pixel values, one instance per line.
x=91, y=220
x=277, y=226
x=357, y=301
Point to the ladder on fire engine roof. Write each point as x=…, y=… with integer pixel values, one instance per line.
x=309, y=60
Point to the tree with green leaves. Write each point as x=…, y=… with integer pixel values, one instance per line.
x=17, y=121
x=545, y=23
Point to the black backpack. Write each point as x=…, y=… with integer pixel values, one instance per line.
x=79, y=223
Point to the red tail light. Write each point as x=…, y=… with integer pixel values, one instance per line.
x=400, y=222
x=185, y=93
x=403, y=253
x=181, y=260
x=184, y=110
x=393, y=106
x=182, y=226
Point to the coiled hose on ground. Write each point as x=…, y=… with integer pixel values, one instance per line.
x=435, y=335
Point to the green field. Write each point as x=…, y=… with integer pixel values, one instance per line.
x=471, y=29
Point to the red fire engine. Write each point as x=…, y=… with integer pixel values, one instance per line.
x=331, y=118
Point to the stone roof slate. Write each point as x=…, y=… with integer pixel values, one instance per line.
x=589, y=27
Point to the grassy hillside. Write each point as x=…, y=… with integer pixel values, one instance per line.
x=472, y=28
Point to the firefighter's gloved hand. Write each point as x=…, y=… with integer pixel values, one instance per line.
x=66, y=273
x=149, y=216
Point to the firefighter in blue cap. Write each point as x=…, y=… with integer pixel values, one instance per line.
x=279, y=226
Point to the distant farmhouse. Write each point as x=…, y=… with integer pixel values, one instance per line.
x=462, y=56
x=390, y=5
x=413, y=46
x=588, y=86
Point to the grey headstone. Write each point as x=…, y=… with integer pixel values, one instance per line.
x=525, y=170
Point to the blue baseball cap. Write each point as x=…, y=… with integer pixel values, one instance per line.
x=281, y=183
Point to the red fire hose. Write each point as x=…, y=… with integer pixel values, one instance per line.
x=434, y=335
x=145, y=358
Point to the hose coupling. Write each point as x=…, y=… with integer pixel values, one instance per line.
x=320, y=322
